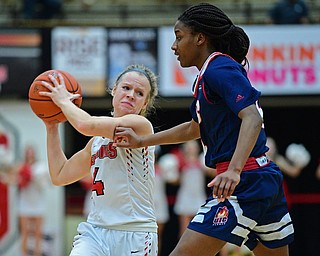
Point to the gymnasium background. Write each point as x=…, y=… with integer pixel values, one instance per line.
x=284, y=65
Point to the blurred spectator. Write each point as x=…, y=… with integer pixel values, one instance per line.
x=318, y=171
x=192, y=191
x=4, y=149
x=41, y=9
x=6, y=165
x=160, y=197
x=295, y=160
x=87, y=4
x=33, y=179
x=167, y=178
x=289, y=12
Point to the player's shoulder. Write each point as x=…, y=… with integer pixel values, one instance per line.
x=137, y=119
x=221, y=66
x=219, y=63
x=139, y=123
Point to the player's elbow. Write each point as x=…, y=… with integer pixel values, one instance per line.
x=55, y=176
x=258, y=120
x=55, y=181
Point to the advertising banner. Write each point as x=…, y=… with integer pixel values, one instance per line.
x=20, y=60
x=284, y=60
x=81, y=51
x=128, y=46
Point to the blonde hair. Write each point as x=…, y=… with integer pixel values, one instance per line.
x=153, y=81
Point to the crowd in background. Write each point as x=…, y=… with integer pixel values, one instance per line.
x=275, y=12
x=31, y=178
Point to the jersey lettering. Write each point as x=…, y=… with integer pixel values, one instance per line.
x=198, y=112
x=97, y=185
x=104, y=151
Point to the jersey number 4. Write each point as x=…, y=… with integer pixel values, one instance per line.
x=97, y=185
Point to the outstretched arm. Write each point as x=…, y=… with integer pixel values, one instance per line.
x=126, y=137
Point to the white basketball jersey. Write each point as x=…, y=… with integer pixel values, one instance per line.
x=122, y=189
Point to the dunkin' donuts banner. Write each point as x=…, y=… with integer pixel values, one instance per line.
x=284, y=60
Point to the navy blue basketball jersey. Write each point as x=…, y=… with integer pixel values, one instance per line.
x=221, y=90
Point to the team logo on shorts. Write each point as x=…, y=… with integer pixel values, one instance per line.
x=221, y=216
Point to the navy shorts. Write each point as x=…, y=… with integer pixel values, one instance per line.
x=257, y=211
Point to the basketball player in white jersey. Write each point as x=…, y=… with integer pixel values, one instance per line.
x=122, y=220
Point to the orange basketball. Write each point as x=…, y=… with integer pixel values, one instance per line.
x=43, y=106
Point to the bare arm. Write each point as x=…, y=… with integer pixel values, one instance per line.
x=249, y=131
x=178, y=134
x=225, y=183
x=65, y=171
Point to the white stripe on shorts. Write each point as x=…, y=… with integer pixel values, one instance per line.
x=203, y=210
x=272, y=231
x=207, y=207
x=242, y=220
x=278, y=230
x=278, y=234
x=274, y=226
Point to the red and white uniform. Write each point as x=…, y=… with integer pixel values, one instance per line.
x=122, y=208
x=123, y=187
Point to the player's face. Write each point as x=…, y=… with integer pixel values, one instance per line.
x=131, y=94
x=185, y=45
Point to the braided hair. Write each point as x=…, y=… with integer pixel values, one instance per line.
x=224, y=36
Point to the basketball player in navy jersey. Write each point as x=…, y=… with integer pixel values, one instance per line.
x=247, y=206
x=122, y=218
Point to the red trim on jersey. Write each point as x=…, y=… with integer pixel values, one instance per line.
x=205, y=94
x=204, y=68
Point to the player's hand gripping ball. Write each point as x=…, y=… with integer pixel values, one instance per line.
x=43, y=106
